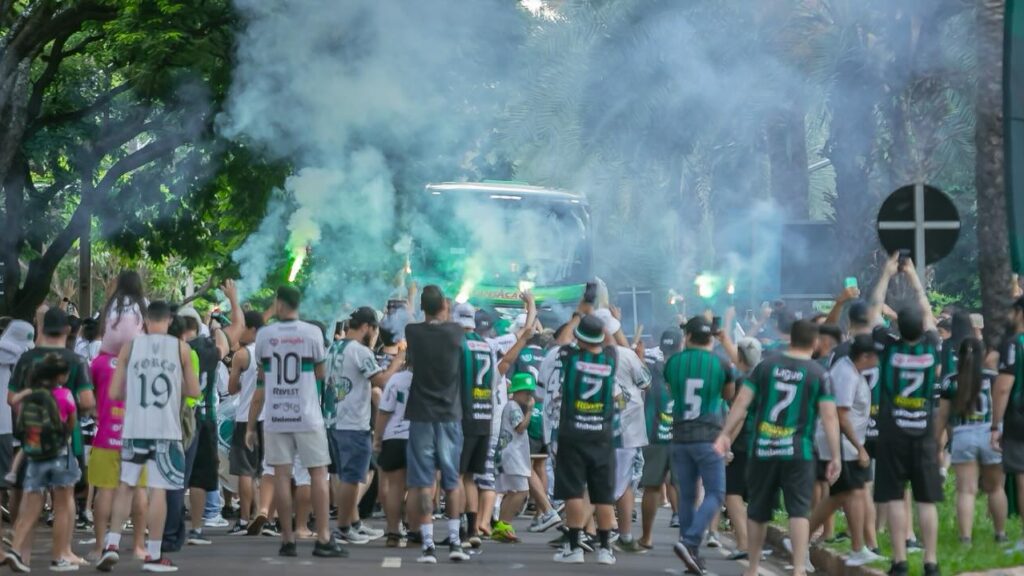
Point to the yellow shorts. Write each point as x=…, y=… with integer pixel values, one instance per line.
x=105, y=469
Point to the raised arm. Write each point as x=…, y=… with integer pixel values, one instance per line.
x=922, y=296
x=836, y=313
x=891, y=268
x=234, y=331
x=524, y=337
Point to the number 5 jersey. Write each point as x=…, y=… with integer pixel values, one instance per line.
x=153, y=380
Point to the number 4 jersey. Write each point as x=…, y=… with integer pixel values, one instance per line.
x=153, y=382
x=787, y=391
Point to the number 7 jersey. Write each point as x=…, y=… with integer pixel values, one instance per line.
x=907, y=383
x=787, y=391
x=153, y=380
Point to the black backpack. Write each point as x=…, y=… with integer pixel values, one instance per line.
x=39, y=427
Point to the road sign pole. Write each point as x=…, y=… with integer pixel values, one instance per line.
x=919, y=228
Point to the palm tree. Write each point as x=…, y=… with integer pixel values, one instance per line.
x=993, y=235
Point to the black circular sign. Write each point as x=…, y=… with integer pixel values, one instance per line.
x=919, y=218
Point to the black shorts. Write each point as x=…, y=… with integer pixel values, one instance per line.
x=585, y=467
x=657, y=465
x=736, y=475
x=392, y=455
x=852, y=477
x=241, y=460
x=765, y=478
x=538, y=447
x=206, y=470
x=474, y=454
x=902, y=459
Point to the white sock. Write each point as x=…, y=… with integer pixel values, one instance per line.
x=427, y=530
x=454, y=524
x=112, y=539
x=153, y=549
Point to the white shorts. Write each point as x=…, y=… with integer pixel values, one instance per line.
x=163, y=461
x=299, y=474
x=623, y=470
x=310, y=448
x=510, y=483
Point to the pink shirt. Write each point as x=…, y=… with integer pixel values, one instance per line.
x=109, y=413
x=65, y=402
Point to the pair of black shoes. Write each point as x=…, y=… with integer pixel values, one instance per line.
x=902, y=569
x=330, y=549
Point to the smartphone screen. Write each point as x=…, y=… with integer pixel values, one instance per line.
x=716, y=324
x=851, y=282
x=590, y=294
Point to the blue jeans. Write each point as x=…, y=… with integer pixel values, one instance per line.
x=175, y=532
x=691, y=462
x=433, y=446
x=214, y=505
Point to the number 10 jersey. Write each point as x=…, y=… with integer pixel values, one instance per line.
x=153, y=381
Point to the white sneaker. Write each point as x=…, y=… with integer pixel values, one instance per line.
x=546, y=521
x=1018, y=548
x=569, y=556
x=605, y=556
x=350, y=536
x=370, y=533
x=862, y=557
x=713, y=541
x=788, y=545
x=217, y=521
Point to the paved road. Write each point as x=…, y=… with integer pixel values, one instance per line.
x=255, y=556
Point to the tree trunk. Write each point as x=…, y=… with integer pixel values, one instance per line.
x=85, y=274
x=993, y=233
x=787, y=155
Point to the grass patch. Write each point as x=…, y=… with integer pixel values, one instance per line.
x=954, y=558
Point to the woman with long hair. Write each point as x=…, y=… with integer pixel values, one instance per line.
x=122, y=317
x=966, y=407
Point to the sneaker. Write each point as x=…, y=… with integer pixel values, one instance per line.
x=1002, y=538
x=899, y=569
x=330, y=549
x=913, y=546
x=107, y=560
x=738, y=555
x=840, y=537
x=239, y=529
x=288, y=550
x=414, y=538
x=931, y=569
x=196, y=538
x=545, y=522
x=162, y=564
x=255, y=527
x=605, y=556
x=689, y=555
x=504, y=532
x=674, y=521
x=15, y=562
x=475, y=542
x=788, y=545
x=217, y=521
x=1018, y=548
x=63, y=565
x=631, y=546
x=558, y=505
x=588, y=542
x=559, y=541
x=713, y=541
x=613, y=536
x=394, y=540
x=371, y=533
x=349, y=536
x=457, y=554
x=862, y=557
x=567, y=555
x=271, y=530
x=427, y=556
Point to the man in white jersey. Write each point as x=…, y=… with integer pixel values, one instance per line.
x=154, y=376
x=291, y=354
x=245, y=462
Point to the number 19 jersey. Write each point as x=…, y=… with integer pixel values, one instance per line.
x=288, y=353
x=153, y=381
x=787, y=391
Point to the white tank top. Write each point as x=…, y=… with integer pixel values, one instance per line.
x=153, y=389
x=247, y=382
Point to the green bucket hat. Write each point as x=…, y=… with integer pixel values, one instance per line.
x=523, y=381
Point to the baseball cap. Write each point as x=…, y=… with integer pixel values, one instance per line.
x=611, y=324
x=465, y=315
x=363, y=315
x=55, y=321
x=697, y=325
x=865, y=343
x=483, y=320
x=522, y=381
x=590, y=330
x=670, y=340
x=858, y=312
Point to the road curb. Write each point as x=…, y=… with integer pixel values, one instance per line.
x=825, y=561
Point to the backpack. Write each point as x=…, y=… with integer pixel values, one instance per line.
x=39, y=427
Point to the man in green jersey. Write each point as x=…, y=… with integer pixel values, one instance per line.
x=700, y=382
x=1008, y=407
x=787, y=393
x=907, y=450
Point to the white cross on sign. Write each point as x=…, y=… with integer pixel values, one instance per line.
x=919, y=225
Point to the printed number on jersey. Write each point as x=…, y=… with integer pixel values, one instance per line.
x=694, y=401
x=156, y=393
x=289, y=368
x=788, y=392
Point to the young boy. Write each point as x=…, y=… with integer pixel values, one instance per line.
x=512, y=458
x=50, y=465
